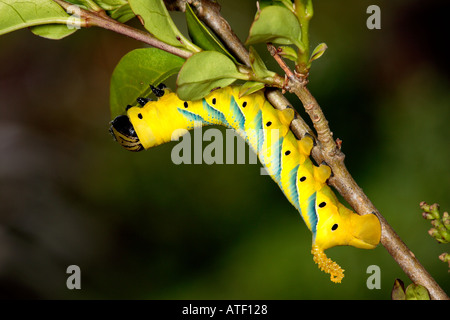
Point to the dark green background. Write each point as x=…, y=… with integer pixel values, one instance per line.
x=141, y=227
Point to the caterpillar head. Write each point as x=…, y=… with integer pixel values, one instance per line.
x=339, y=226
x=125, y=128
x=123, y=132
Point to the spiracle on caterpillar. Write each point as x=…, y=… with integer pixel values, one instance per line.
x=286, y=158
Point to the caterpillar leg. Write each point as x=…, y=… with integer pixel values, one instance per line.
x=286, y=116
x=322, y=173
x=306, y=144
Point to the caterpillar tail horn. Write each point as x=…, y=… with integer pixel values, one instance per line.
x=327, y=265
x=345, y=228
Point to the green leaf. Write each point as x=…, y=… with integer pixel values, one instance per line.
x=205, y=71
x=267, y=3
x=318, y=52
x=16, y=15
x=108, y=5
x=250, y=87
x=122, y=14
x=53, y=31
x=288, y=53
x=416, y=292
x=275, y=24
x=81, y=3
x=258, y=66
x=111, y=4
x=287, y=4
x=202, y=36
x=118, y=10
x=135, y=72
x=158, y=22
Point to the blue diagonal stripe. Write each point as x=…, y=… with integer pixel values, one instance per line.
x=259, y=131
x=276, y=161
x=312, y=214
x=215, y=113
x=192, y=117
x=237, y=113
x=293, y=188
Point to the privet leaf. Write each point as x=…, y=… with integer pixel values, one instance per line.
x=203, y=72
x=288, y=53
x=318, y=52
x=267, y=3
x=107, y=5
x=81, y=3
x=250, y=87
x=45, y=17
x=158, y=22
x=202, y=36
x=275, y=24
x=416, y=292
x=258, y=66
x=122, y=14
x=135, y=71
x=53, y=31
x=111, y=4
x=287, y=4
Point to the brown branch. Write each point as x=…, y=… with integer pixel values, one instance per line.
x=326, y=150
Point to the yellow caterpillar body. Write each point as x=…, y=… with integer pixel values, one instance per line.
x=286, y=158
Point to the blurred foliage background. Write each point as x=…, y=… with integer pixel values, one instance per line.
x=141, y=227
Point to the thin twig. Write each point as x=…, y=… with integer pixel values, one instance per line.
x=274, y=52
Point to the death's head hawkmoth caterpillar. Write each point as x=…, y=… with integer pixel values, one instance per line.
x=286, y=158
